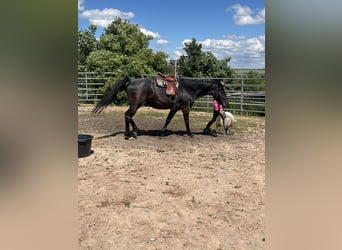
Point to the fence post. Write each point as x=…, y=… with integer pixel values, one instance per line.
x=86, y=84
x=241, y=95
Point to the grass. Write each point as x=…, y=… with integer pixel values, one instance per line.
x=126, y=203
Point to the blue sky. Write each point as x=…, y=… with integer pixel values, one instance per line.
x=223, y=27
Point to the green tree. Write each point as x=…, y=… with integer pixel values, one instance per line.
x=197, y=63
x=103, y=61
x=253, y=81
x=124, y=38
x=87, y=43
x=123, y=50
x=158, y=62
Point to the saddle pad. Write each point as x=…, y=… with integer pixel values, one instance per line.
x=161, y=83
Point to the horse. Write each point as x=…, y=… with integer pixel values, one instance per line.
x=146, y=91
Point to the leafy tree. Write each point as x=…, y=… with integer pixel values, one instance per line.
x=197, y=63
x=157, y=61
x=86, y=44
x=252, y=79
x=103, y=61
x=123, y=50
x=124, y=38
x=255, y=74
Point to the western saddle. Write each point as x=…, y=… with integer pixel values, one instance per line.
x=170, y=82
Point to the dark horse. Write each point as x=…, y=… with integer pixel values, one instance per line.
x=145, y=90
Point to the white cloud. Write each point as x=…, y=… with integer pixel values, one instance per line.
x=177, y=53
x=80, y=5
x=234, y=37
x=186, y=41
x=244, y=52
x=102, y=18
x=103, y=23
x=162, y=42
x=244, y=15
x=149, y=33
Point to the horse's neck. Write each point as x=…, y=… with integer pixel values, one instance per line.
x=199, y=89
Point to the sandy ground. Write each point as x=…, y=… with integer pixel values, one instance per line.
x=172, y=192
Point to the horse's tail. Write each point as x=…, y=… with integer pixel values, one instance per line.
x=110, y=96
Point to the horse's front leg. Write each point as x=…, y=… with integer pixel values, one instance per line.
x=168, y=119
x=186, y=112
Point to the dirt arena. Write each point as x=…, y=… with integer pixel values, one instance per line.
x=171, y=192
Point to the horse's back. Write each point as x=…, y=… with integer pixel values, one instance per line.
x=146, y=90
x=140, y=85
x=138, y=90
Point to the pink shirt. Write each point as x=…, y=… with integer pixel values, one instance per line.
x=217, y=106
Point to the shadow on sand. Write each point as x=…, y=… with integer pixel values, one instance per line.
x=154, y=133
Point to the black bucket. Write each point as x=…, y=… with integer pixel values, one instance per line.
x=84, y=145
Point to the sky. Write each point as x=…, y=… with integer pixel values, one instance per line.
x=223, y=27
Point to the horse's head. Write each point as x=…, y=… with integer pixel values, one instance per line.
x=219, y=93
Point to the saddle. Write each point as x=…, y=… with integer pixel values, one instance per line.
x=170, y=82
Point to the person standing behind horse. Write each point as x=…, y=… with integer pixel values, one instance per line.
x=217, y=111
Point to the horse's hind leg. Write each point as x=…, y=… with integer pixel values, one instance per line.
x=129, y=120
x=168, y=119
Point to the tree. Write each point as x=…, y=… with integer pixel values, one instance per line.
x=124, y=38
x=86, y=44
x=158, y=62
x=197, y=63
x=103, y=61
x=123, y=50
x=254, y=79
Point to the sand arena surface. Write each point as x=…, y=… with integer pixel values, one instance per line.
x=172, y=192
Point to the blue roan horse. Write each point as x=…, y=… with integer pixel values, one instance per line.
x=145, y=90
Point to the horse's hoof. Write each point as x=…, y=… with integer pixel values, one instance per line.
x=126, y=135
x=135, y=134
x=229, y=133
x=163, y=132
x=130, y=138
x=210, y=132
x=190, y=134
